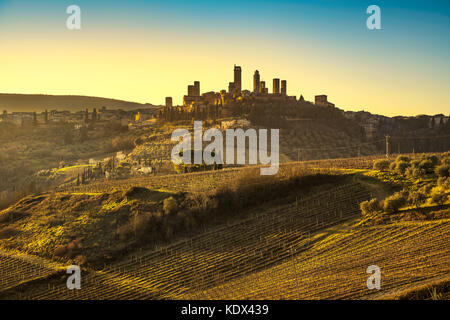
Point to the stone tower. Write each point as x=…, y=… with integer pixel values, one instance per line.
x=256, y=82
x=237, y=79
x=276, y=86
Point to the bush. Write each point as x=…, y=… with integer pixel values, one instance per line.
x=373, y=205
x=434, y=160
x=445, y=160
x=415, y=172
x=401, y=167
x=418, y=197
x=170, y=205
x=393, y=166
x=364, y=206
x=439, y=197
x=444, y=182
x=122, y=143
x=403, y=159
x=59, y=251
x=394, y=202
x=426, y=165
x=382, y=165
x=443, y=170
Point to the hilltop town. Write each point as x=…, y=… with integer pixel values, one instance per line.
x=234, y=102
x=116, y=143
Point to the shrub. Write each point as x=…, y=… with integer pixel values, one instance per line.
x=401, y=167
x=80, y=260
x=445, y=160
x=382, y=165
x=434, y=159
x=415, y=172
x=418, y=197
x=393, y=166
x=439, y=197
x=426, y=165
x=170, y=205
x=369, y=206
x=122, y=143
x=375, y=205
x=403, y=159
x=443, y=170
x=59, y=251
x=364, y=206
x=394, y=202
x=444, y=182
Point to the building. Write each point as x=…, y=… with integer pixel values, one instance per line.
x=231, y=87
x=262, y=87
x=276, y=86
x=193, y=94
x=322, y=101
x=197, y=88
x=256, y=82
x=169, y=103
x=237, y=79
x=283, y=87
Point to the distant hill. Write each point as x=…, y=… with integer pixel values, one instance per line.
x=40, y=102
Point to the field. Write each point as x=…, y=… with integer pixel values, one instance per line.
x=313, y=247
x=229, y=252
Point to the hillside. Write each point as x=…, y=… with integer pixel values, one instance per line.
x=40, y=102
x=229, y=234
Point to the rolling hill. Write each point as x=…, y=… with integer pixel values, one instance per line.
x=40, y=102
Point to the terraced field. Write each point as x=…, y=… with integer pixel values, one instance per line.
x=216, y=257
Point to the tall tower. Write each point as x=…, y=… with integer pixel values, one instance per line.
x=237, y=79
x=276, y=86
x=191, y=90
x=169, y=102
x=283, y=87
x=262, y=87
x=256, y=81
x=197, y=88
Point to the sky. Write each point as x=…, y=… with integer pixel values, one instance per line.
x=143, y=51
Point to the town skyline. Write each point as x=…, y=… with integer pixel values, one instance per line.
x=149, y=51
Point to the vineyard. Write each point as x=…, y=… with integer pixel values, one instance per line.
x=335, y=268
x=16, y=269
x=310, y=248
x=213, y=258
